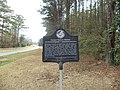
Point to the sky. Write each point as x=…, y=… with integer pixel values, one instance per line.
x=28, y=9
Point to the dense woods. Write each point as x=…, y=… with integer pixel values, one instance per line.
x=10, y=26
x=96, y=22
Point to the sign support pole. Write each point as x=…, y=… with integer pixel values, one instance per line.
x=59, y=47
x=60, y=70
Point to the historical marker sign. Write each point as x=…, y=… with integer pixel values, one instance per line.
x=60, y=47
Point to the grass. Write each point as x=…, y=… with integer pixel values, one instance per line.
x=13, y=49
x=6, y=62
x=14, y=57
x=27, y=71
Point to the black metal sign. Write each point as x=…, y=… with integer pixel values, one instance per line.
x=60, y=47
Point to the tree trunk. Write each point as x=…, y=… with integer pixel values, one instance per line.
x=75, y=4
x=60, y=14
x=67, y=14
x=111, y=38
x=2, y=35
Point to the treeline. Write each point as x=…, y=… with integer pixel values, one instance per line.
x=96, y=22
x=10, y=26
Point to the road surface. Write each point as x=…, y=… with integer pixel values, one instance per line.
x=19, y=51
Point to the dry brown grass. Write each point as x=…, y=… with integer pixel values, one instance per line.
x=28, y=72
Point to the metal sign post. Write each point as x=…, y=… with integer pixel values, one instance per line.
x=60, y=79
x=60, y=47
x=60, y=70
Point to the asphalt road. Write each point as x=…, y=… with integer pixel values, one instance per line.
x=19, y=51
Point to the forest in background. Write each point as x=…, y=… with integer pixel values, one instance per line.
x=96, y=22
x=10, y=26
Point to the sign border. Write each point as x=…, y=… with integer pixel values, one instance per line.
x=61, y=59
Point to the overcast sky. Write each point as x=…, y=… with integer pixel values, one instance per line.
x=28, y=9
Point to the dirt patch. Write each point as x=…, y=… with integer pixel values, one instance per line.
x=30, y=73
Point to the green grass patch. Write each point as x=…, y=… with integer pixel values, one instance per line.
x=2, y=50
x=15, y=57
x=6, y=62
